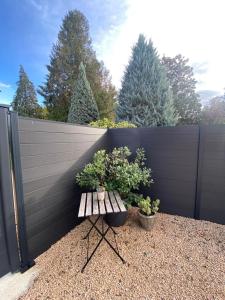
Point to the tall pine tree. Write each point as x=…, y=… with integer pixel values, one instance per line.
x=186, y=100
x=83, y=108
x=145, y=98
x=73, y=47
x=25, y=101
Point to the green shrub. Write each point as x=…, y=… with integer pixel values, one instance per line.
x=133, y=199
x=115, y=171
x=148, y=207
x=124, y=175
x=94, y=174
x=106, y=123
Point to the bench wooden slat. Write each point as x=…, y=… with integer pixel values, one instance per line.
x=82, y=205
x=89, y=204
x=108, y=204
x=95, y=204
x=119, y=201
x=102, y=207
x=113, y=202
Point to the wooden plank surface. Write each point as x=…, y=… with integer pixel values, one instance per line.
x=89, y=205
x=82, y=205
x=95, y=204
x=119, y=201
x=108, y=204
x=102, y=207
x=113, y=202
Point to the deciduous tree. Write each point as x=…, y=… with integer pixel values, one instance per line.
x=181, y=78
x=214, y=112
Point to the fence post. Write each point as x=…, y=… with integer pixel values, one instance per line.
x=198, y=177
x=7, y=191
x=26, y=263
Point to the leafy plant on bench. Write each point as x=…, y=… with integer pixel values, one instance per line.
x=93, y=176
x=126, y=175
x=116, y=171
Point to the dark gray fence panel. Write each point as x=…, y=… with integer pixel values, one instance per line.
x=9, y=253
x=25, y=262
x=51, y=154
x=172, y=154
x=211, y=183
x=4, y=266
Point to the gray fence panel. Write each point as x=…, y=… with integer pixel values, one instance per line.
x=172, y=154
x=211, y=182
x=9, y=253
x=51, y=154
x=4, y=266
x=25, y=262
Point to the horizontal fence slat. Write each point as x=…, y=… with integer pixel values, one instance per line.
x=27, y=137
x=51, y=155
x=28, y=124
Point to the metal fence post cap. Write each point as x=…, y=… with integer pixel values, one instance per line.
x=5, y=105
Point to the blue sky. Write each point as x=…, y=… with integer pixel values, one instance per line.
x=28, y=28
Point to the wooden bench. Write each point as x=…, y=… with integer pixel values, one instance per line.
x=91, y=206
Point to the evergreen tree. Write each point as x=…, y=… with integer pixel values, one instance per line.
x=181, y=78
x=73, y=47
x=25, y=101
x=145, y=98
x=83, y=108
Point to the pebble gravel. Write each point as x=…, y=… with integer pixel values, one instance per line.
x=180, y=258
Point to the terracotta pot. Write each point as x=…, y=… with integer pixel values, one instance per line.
x=147, y=222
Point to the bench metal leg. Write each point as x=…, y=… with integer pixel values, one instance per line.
x=91, y=227
x=103, y=234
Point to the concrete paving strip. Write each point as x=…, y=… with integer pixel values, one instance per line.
x=12, y=286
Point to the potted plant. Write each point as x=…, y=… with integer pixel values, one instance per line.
x=125, y=175
x=101, y=192
x=93, y=176
x=147, y=212
x=114, y=171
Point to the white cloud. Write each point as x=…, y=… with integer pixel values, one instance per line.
x=4, y=85
x=193, y=28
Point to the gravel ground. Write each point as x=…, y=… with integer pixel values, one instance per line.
x=180, y=258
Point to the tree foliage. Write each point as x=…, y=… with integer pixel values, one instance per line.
x=83, y=108
x=106, y=123
x=115, y=171
x=145, y=98
x=73, y=47
x=181, y=78
x=106, y=96
x=25, y=101
x=214, y=112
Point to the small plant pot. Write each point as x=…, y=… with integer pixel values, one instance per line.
x=147, y=222
x=101, y=193
x=116, y=219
